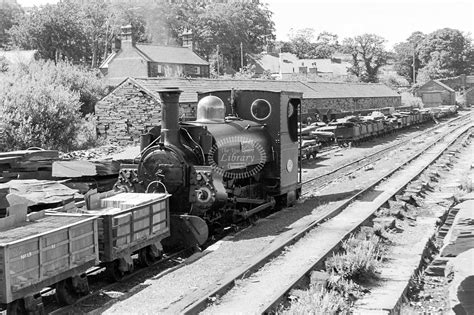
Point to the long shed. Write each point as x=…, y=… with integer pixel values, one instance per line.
x=134, y=106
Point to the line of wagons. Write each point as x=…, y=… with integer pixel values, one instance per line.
x=356, y=129
x=54, y=249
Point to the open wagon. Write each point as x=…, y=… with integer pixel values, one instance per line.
x=130, y=223
x=43, y=251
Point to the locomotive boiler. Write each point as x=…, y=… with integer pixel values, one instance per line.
x=239, y=157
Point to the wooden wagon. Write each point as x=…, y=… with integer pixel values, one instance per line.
x=44, y=251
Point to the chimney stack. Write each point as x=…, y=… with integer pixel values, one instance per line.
x=170, y=115
x=187, y=38
x=126, y=36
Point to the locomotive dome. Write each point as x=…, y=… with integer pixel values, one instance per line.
x=210, y=108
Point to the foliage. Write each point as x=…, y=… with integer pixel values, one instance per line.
x=40, y=105
x=223, y=27
x=409, y=100
x=9, y=15
x=38, y=115
x=406, y=53
x=55, y=30
x=302, y=44
x=443, y=53
x=393, y=80
x=3, y=64
x=368, y=56
x=79, y=32
x=446, y=53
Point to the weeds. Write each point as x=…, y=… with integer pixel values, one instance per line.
x=317, y=300
x=359, y=259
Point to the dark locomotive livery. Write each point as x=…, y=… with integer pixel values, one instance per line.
x=239, y=157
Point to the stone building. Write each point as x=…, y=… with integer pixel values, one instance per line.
x=146, y=60
x=133, y=107
x=469, y=97
x=435, y=93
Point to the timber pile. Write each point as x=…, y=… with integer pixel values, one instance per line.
x=35, y=194
x=86, y=175
x=27, y=164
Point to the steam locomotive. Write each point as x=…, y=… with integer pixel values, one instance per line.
x=239, y=157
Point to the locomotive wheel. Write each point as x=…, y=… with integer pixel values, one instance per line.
x=113, y=271
x=66, y=293
x=16, y=307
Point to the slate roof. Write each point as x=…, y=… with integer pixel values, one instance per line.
x=443, y=85
x=310, y=90
x=289, y=63
x=171, y=54
x=343, y=89
x=163, y=54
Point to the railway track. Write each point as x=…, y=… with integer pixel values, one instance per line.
x=341, y=171
x=290, y=265
x=319, y=182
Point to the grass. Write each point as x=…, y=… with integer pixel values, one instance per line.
x=359, y=259
x=317, y=300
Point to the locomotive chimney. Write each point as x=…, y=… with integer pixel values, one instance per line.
x=169, y=115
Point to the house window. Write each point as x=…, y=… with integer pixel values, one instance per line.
x=155, y=70
x=192, y=70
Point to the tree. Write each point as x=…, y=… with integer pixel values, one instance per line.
x=9, y=15
x=302, y=43
x=56, y=31
x=230, y=25
x=446, y=52
x=81, y=32
x=406, y=53
x=368, y=56
x=326, y=45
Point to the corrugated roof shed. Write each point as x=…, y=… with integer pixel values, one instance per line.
x=310, y=90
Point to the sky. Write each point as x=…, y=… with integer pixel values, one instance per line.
x=394, y=20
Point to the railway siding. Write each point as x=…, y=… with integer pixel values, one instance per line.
x=224, y=263
x=265, y=288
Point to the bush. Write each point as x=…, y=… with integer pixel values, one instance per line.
x=40, y=106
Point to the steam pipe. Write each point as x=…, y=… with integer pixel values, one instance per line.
x=170, y=115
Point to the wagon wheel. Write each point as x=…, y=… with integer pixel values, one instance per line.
x=16, y=307
x=65, y=292
x=113, y=271
x=146, y=257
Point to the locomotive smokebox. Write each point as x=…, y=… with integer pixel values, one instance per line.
x=170, y=115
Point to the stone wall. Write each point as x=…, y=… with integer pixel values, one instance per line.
x=128, y=112
x=469, y=96
x=349, y=104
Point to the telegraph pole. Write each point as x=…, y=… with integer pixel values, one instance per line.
x=414, y=70
x=241, y=56
x=217, y=60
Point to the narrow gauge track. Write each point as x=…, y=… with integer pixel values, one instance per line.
x=267, y=298
x=319, y=182
x=169, y=265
